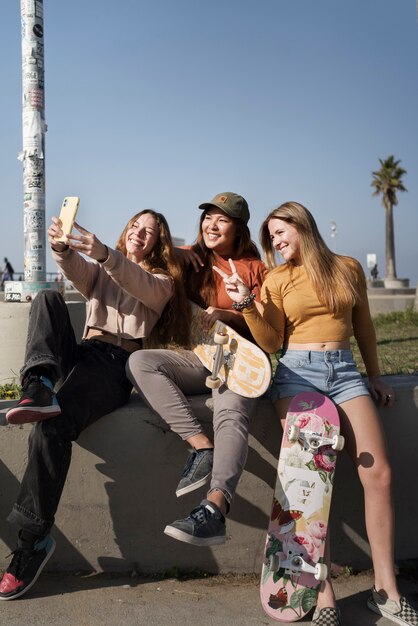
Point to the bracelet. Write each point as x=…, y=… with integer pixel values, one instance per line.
x=239, y=306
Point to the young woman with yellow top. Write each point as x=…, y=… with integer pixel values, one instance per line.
x=310, y=307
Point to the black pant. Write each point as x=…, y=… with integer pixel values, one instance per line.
x=94, y=383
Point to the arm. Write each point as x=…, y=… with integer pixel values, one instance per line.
x=266, y=321
x=254, y=272
x=153, y=290
x=74, y=267
x=365, y=336
x=188, y=257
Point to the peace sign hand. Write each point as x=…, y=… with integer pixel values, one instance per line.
x=87, y=243
x=235, y=287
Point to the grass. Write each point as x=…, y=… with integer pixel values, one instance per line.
x=397, y=343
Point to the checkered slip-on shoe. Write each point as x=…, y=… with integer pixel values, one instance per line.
x=326, y=617
x=398, y=612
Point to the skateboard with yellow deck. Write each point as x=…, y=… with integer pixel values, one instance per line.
x=232, y=360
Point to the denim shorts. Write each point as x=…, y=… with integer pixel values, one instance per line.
x=333, y=373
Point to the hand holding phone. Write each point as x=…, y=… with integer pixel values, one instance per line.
x=67, y=216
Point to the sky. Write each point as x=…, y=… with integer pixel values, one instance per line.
x=164, y=103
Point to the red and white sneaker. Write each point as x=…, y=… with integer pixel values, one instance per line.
x=25, y=568
x=38, y=401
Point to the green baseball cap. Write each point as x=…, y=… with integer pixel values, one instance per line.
x=231, y=203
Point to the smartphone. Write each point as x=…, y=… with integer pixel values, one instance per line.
x=67, y=215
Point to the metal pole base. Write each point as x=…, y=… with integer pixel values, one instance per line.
x=24, y=291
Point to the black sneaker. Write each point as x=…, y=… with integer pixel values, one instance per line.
x=205, y=526
x=398, y=612
x=197, y=471
x=25, y=568
x=38, y=401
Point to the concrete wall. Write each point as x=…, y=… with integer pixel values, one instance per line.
x=120, y=493
x=381, y=302
x=14, y=318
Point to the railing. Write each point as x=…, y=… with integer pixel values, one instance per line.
x=50, y=277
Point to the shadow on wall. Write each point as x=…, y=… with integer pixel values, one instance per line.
x=9, y=487
x=140, y=486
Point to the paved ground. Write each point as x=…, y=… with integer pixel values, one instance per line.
x=104, y=600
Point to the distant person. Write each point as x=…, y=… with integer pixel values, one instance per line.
x=8, y=271
x=311, y=305
x=134, y=291
x=374, y=272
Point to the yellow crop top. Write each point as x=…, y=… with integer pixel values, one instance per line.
x=293, y=313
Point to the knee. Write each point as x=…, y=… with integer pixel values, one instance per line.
x=49, y=299
x=377, y=476
x=48, y=295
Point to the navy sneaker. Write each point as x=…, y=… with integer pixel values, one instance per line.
x=25, y=568
x=38, y=401
x=205, y=526
x=197, y=471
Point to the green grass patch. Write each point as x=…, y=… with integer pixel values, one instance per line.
x=397, y=343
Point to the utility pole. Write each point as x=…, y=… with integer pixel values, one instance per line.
x=32, y=156
x=34, y=128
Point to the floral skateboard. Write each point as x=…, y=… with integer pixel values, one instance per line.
x=232, y=360
x=293, y=565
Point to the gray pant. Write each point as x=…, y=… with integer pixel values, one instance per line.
x=165, y=377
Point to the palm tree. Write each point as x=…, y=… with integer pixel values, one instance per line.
x=388, y=181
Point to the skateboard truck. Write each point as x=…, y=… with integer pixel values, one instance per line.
x=296, y=565
x=313, y=441
x=220, y=339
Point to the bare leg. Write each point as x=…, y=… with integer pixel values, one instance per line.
x=366, y=445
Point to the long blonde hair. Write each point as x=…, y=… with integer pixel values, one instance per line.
x=332, y=276
x=163, y=260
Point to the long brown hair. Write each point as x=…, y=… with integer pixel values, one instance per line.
x=173, y=325
x=333, y=278
x=201, y=286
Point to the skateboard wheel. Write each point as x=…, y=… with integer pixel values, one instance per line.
x=338, y=442
x=220, y=338
x=293, y=434
x=321, y=571
x=212, y=383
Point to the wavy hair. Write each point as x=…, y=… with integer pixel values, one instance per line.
x=201, y=286
x=163, y=260
x=333, y=278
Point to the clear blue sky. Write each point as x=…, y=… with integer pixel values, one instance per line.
x=164, y=103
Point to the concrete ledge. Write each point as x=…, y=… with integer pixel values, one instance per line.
x=120, y=493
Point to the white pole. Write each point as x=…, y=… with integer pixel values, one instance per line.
x=34, y=128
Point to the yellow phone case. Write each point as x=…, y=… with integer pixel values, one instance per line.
x=67, y=215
